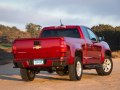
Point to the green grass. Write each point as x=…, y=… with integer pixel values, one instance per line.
x=5, y=53
x=5, y=45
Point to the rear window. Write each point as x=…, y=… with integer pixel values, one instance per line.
x=61, y=33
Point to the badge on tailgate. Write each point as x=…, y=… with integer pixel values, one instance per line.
x=37, y=45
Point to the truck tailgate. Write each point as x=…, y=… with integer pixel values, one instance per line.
x=36, y=48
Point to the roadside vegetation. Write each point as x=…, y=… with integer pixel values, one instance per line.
x=5, y=45
x=9, y=34
x=116, y=54
x=111, y=35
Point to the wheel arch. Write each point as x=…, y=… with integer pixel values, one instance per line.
x=73, y=51
x=79, y=53
x=108, y=53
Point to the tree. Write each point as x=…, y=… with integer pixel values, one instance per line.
x=111, y=34
x=33, y=29
x=9, y=34
x=0, y=33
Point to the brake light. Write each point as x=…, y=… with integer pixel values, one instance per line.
x=14, y=49
x=63, y=46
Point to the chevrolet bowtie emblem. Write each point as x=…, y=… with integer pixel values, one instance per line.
x=37, y=47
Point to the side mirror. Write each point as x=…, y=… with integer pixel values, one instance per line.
x=101, y=38
x=93, y=39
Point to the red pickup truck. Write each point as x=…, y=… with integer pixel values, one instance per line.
x=64, y=49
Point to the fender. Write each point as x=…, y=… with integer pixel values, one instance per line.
x=105, y=48
x=72, y=49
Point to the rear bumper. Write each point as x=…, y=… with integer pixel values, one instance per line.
x=47, y=63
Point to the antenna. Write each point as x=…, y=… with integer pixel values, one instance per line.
x=61, y=23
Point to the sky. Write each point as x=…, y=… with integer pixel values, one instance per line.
x=49, y=12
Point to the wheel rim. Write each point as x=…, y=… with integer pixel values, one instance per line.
x=78, y=68
x=107, y=65
x=31, y=73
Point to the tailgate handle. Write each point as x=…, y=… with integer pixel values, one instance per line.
x=37, y=43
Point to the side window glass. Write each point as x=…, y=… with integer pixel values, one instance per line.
x=92, y=35
x=84, y=30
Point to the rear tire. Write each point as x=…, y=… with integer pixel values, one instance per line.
x=76, y=69
x=27, y=74
x=106, y=67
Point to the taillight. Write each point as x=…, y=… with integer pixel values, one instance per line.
x=14, y=49
x=63, y=46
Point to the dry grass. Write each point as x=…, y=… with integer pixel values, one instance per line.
x=116, y=54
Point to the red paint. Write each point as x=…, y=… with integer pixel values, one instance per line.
x=54, y=49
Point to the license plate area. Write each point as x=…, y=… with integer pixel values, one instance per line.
x=38, y=62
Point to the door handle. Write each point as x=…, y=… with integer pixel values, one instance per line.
x=90, y=45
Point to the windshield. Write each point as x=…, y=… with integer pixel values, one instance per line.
x=61, y=33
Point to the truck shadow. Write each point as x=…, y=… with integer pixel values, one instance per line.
x=58, y=78
x=64, y=78
x=15, y=76
x=7, y=77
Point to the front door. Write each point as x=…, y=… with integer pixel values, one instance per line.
x=95, y=47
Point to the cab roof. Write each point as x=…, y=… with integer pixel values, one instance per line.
x=62, y=27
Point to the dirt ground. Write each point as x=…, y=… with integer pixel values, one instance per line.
x=11, y=80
